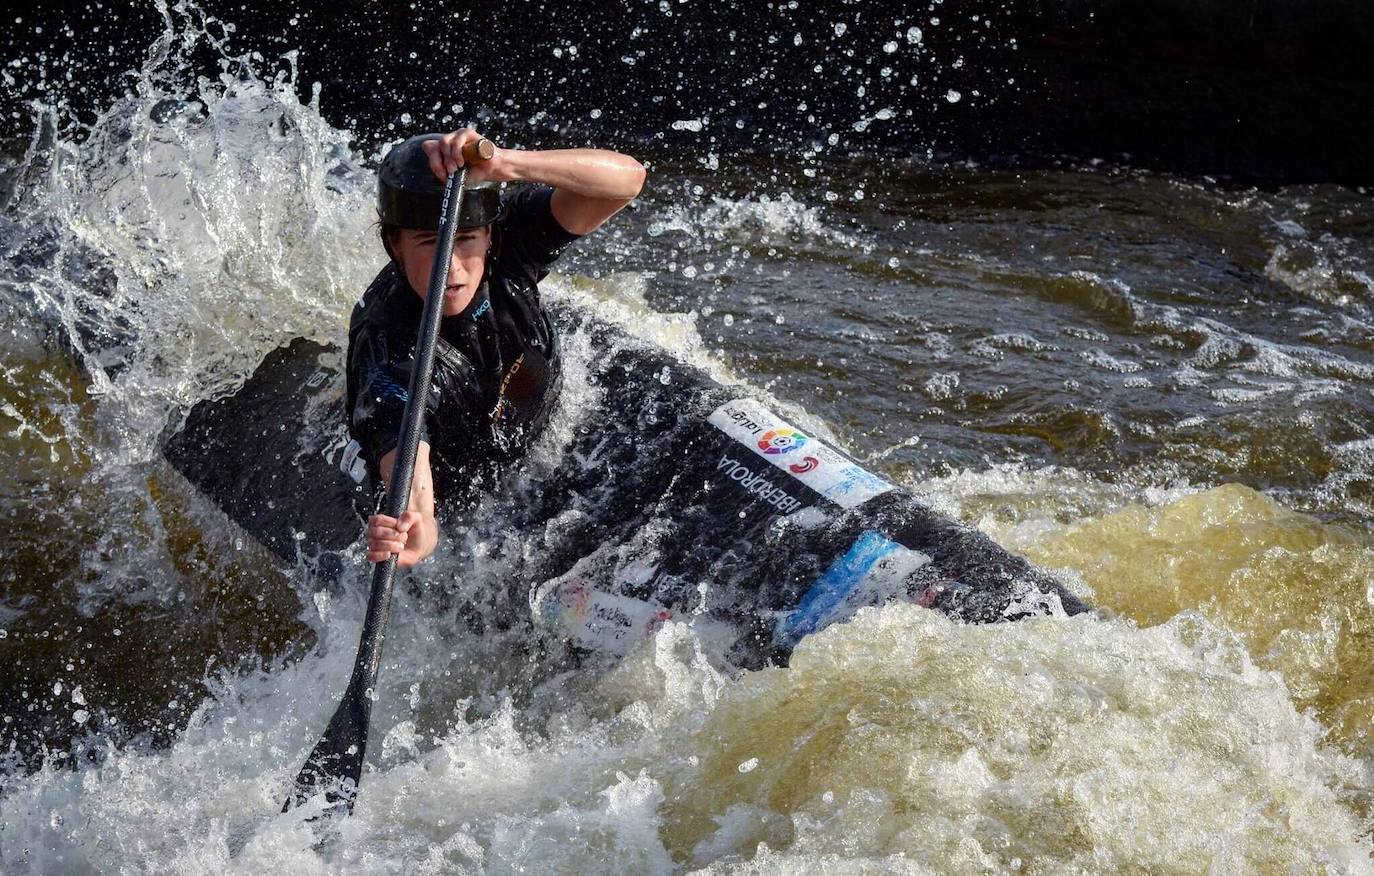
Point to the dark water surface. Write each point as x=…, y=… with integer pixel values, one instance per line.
x=1130, y=325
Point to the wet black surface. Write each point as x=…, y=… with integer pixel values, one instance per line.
x=1265, y=91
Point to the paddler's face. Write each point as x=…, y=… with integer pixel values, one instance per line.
x=415, y=250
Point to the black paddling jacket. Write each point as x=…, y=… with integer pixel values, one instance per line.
x=497, y=370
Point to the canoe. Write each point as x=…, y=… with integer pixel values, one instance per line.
x=661, y=495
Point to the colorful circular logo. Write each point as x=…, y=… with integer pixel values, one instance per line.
x=783, y=440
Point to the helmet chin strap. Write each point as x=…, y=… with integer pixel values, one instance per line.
x=493, y=247
x=483, y=289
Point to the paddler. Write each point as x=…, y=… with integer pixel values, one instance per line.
x=497, y=370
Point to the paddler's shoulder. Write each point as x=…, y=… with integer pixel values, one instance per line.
x=383, y=296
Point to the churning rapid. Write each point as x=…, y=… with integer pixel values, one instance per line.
x=1160, y=389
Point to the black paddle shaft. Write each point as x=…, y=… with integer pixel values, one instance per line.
x=335, y=766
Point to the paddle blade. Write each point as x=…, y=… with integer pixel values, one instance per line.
x=335, y=766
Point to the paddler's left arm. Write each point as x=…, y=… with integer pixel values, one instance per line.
x=589, y=185
x=415, y=535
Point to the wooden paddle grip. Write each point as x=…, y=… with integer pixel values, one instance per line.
x=478, y=150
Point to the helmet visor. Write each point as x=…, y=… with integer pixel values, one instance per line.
x=411, y=209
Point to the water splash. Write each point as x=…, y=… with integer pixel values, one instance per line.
x=898, y=736
x=1292, y=587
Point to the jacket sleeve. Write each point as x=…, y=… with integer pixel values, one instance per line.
x=379, y=409
x=531, y=238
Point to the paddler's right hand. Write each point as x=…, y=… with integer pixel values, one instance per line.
x=446, y=156
x=406, y=537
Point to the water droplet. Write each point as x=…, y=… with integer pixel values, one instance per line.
x=81, y=716
x=749, y=765
x=953, y=96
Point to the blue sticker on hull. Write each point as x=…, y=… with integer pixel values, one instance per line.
x=831, y=590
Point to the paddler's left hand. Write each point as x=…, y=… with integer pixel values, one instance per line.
x=446, y=156
x=414, y=535
x=404, y=537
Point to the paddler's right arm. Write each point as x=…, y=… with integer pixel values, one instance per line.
x=415, y=535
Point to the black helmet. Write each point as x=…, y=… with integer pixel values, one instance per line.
x=409, y=195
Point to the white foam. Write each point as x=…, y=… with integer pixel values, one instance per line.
x=1062, y=719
